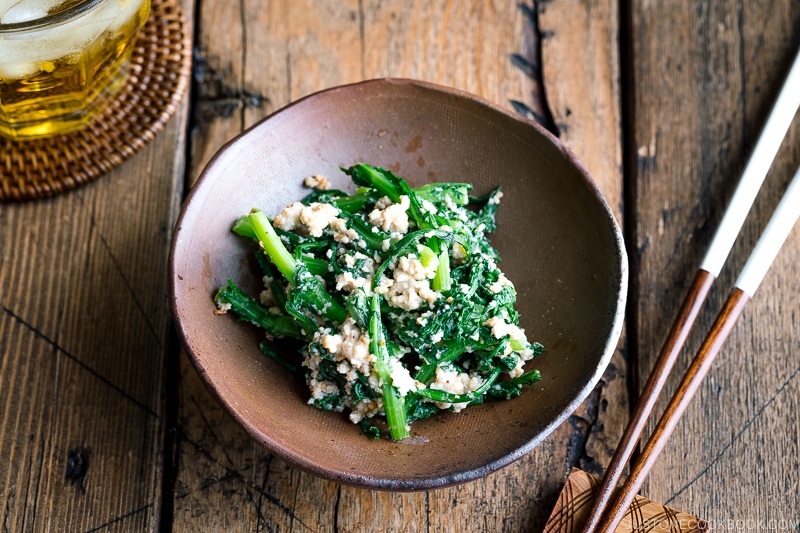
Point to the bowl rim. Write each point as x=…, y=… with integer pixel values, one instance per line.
x=440, y=481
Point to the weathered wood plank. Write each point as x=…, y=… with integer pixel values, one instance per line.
x=83, y=339
x=83, y=336
x=581, y=73
x=294, y=48
x=705, y=80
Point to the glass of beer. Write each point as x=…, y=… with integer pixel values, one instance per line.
x=62, y=61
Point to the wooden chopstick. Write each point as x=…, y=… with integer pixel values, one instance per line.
x=778, y=122
x=776, y=232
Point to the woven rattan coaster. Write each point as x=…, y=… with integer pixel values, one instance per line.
x=159, y=76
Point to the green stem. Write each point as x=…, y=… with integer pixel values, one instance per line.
x=273, y=246
x=251, y=311
x=354, y=203
x=278, y=291
x=452, y=350
x=442, y=281
x=393, y=403
x=444, y=396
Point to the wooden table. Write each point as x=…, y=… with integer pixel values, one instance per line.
x=104, y=425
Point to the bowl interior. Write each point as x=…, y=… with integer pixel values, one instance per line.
x=558, y=241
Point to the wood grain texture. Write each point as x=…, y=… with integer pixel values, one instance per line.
x=84, y=327
x=705, y=79
x=581, y=78
x=680, y=400
x=277, y=52
x=84, y=396
x=281, y=51
x=83, y=338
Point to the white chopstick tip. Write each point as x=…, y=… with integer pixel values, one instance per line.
x=780, y=119
x=775, y=234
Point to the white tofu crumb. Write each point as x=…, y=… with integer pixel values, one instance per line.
x=365, y=409
x=384, y=285
x=266, y=298
x=428, y=207
x=318, y=182
x=347, y=282
x=317, y=217
x=401, y=378
x=351, y=344
x=495, y=198
x=289, y=218
x=383, y=202
x=453, y=381
x=410, y=285
x=393, y=217
x=500, y=328
x=502, y=281
x=313, y=218
x=341, y=233
x=320, y=389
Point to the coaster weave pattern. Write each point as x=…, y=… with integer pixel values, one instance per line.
x=643, y=516
x=160, y=71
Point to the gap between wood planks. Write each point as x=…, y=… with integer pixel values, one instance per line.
x=213, y=97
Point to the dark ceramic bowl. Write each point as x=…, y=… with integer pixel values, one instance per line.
x=559, y=243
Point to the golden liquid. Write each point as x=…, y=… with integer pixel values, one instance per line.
x=63, y=93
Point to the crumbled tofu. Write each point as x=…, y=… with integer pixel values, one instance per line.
x=459, y=254
x=502, y=281
x=384, y=285
x=393, y=217
x=318, y=182
x=318, y=386
x=317, y=217
x=222, y=308
x=383, y=202
x=266, y=297
x=351, y=344
x=495, y=198
x=289, y=218
x=428, y=207
x=402, y=379
x=518, y=370
x=413, y=267
x=312, y=218
x=500, y=328
x=341, y=233
x=453, y=381
x=410, y=285
x=365, y=409
x=347, y=282
x=320, y=389
x=368, y=265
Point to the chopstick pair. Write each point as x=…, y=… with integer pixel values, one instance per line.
x=610, y=504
